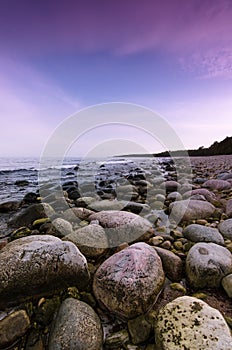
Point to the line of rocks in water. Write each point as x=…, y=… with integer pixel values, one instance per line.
x=146, y=265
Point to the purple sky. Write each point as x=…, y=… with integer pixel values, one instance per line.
x=58, y=57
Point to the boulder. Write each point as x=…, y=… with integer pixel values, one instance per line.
x=216, y=184
x=188, y=210
x=129, y=282
x=76, y=327
x=27, y=216
x=172, y=264
x=12, y=327
x=38, y=265
x=227, y=284
x=91, y=240
x=200, y=233
x=63, y=227
x=229, y=208
x=122, y=226
x=207, y=264
x=190, y=323
x=225, y=227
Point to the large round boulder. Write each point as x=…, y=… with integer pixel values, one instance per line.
x=76, y=327
x=207, y=264
x=215, y=184
x=36, y=265
x=190, y=323
x=122, y=226
x=129, y=282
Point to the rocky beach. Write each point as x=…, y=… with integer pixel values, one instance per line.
x=131, y=254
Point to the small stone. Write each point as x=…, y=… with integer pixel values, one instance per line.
x=62, y=226
x=156, y=241
x=139, y=329
x=166, y=245
x=178, y=245
x=201, y=222
x=12, y=327
x=200, y=295
x=227, y=284
x=116, y=339
x=21, y=232
x=179, y=287
x=40, y=222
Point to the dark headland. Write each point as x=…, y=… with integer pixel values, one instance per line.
x=223, y=147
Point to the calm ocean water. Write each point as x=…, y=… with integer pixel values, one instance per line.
x=13, y=170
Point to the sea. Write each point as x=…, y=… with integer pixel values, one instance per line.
x=19, y=176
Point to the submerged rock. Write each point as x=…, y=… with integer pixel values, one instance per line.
x=129, y=282
x=37, y=265
x=190, y=323
x=27, y=216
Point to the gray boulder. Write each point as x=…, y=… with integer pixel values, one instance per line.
x=37, y=265
x=200, y=233
x=216, y=184
x=225, y=227
x=190, y=323
x=91, y=240
x=63, y=227
x=122, y=226
x=76, y=327
x=207, y=264
x=27, y=216
x=129, y=282
x=187, y=210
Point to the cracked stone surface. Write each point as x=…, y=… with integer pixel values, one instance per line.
x=35, y=265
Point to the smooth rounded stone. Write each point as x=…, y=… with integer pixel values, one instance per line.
x=174, y=196
x=225, y=227
x=12, y=327
x=122, y=226
x=91, y=240
x=218, y=185
x=76, y=327
x=172, y=264
x=209, y=196
x=200, y=233
x=190, y=323
x=186, y=210
x=227, y=284
x=226, y=176
x=197, y=197
x=37, y=265
x=62, y=226
x=171, y=186
x=229, y=208
x=207, y=264
x=107, y=204
x=129, y=282
x=27, y=216
x=140, y=329
x=126, y=192
x=74, y=214
x=84, y=201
